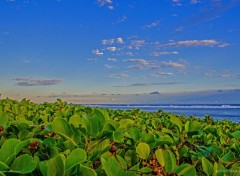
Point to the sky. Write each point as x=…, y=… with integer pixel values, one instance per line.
x=112, y=51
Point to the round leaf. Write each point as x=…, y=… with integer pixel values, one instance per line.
x=143, y=150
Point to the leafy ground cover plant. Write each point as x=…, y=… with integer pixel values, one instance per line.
x=65, y=139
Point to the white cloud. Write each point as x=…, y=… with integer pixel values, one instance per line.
x=26, y=61
x=152, y=25
x=113, y=48
x=110, y=7
x=173, y=64
x=92, y=59
x=155, y=53
x=122, y=19
x=107, y=42
x=140, y=61
x=177, y=2
x=195, y=43
x=97, y=52
x=136, y=67
x=153, y=75
x=112, y=59
x=36, y=82
x=109, y=66
x=186, y=43
x=222, y=45
x=120, y=40
x=104, y=2
x=136, y=44
x=121, y=75
x=150, y=84
x=166, y=73
x=195, y=1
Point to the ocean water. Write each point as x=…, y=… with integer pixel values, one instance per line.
x=217, y=111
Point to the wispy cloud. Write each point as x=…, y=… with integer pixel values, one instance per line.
x=112, y=41
x=188, y=43
x=152, y=25
x=110, y=66
x=108, y=41
x=121, y=75
x=150, y=84
x=112, y=59
x=26, y=61
x=166, y=73
x=122, y=19
x=136, y=44
x=155, y=53
x=136, y=67
x=160, y=74
x=173, y=64
x=112, y=48
x=195, y=1
x=177, y=2
x=36, y=82
x=107, y=3
x=92, y=60
x=140, y=61
x=222, y=74
x=97, y=52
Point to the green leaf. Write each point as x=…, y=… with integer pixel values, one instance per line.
x=20, y=146
x=98, y=148
x=121, y=161
x=143, y=150
x=236, y=134
x=185, y=170
x=192, y=126
x=49, y=142
x=87, y=171
x=229, y=156
x=7, y=150
x=135, y=167
x=126, y=123
x=4, y=118
x=2, y=174
x=176, y=121
x=166, y=139
x=92, y=125
x=76, y=157
x=145, y=170
x=130, y=157
x=56, y=166
x=62, y=127
x=166, y=159
x=218, y=167
x=23, y=164
x=147, y=138
x=43, y=166
x=118, y=136
x=75, y=120
x=3, y=166
x=102, y=116
x=134, y=132
x=112, y=167
x=207, y=166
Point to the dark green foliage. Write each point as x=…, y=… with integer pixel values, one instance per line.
x=60, y=139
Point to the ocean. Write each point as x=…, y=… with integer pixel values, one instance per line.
x=217, y=111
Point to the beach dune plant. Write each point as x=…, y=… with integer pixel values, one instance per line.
x=58, y=139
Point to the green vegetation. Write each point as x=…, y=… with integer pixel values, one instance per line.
x=59, y=139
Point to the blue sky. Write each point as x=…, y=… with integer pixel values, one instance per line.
x=92, y=50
